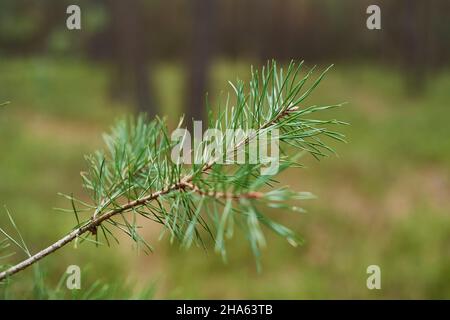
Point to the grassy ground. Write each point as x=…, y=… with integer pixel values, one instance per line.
x=384, y=200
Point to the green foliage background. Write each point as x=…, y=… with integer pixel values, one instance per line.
x=384, y=201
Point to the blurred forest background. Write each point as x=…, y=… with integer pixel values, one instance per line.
x=384, y=201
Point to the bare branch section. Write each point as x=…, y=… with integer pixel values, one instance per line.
x=136, y=174
x=92, y=224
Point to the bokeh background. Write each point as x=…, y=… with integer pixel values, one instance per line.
x=385, y=200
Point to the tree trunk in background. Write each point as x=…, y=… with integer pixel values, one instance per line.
x=200, y=57
x=415, y=43
x=131, y=56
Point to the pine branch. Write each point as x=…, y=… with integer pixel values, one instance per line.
x=137, y=175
